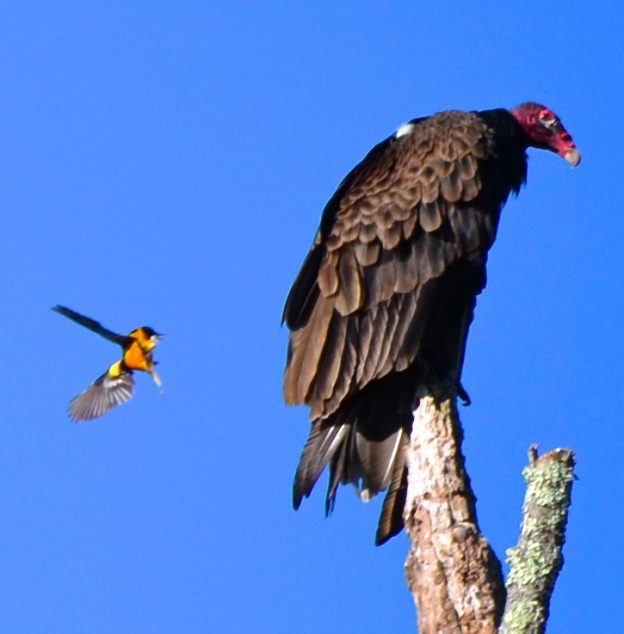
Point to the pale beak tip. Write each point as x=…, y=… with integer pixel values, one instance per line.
x=573, y=156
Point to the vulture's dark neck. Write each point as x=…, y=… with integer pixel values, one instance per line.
x=510, y=167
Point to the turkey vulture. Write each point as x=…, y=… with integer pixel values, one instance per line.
x=379, y=312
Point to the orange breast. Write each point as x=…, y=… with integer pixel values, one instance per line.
x=136, y=359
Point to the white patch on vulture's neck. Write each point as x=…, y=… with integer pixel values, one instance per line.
x=405, y=129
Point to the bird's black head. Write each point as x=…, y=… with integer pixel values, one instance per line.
x=146, y=336
x=150, y=332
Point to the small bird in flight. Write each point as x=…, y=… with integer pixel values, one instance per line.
x=116, y=385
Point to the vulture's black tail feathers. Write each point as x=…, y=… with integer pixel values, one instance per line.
x=363, y=449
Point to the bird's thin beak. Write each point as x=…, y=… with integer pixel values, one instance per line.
x=573, y=156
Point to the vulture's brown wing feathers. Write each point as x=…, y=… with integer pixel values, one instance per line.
x=381, y=306
x=398, y=221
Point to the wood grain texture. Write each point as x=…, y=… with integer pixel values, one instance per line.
x=452, y=572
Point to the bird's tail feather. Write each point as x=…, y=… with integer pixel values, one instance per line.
x=319, y=449
x=362, y=452
x=391, y=518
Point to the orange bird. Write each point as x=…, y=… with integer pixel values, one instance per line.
x=116, y=385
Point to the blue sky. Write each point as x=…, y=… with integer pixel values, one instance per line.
x=166, y=164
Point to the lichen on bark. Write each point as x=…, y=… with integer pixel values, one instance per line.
x=537, y=560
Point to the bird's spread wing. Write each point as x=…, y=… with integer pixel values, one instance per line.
x=368, y=296
x=102, y=396
x=91, y=324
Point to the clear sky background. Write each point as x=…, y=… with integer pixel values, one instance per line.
x=166, y=164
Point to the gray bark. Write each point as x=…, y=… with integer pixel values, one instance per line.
x=451, y=570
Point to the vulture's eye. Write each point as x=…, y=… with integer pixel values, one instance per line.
x=547, y=119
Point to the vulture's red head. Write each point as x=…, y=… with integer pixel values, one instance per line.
x=545, y=131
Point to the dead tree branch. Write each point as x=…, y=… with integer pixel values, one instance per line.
x=537, y=560
x=452, y=572
x=454, y=575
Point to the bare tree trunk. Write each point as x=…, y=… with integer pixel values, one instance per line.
x=452, y=572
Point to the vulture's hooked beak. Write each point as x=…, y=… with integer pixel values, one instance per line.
x=573, y=156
